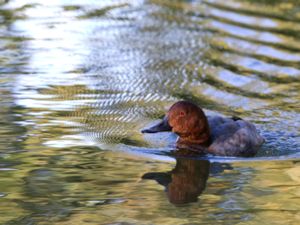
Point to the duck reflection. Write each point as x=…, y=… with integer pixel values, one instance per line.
x=188, y=179
x=185, y=182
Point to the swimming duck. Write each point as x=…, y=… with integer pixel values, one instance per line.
x=209, y=134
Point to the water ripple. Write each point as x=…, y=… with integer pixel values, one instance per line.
x=80, y=79
x=138, y=57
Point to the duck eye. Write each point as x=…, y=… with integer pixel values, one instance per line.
x=181, y=113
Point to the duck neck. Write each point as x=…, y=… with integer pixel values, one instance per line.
x=200, y=139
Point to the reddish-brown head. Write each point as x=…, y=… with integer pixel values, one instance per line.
x=188, y=121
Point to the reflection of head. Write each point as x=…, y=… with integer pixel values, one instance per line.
x=185, y=182
x=188, y=180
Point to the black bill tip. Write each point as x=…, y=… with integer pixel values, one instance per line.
x=162, y=126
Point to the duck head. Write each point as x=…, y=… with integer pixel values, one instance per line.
x=188, y=121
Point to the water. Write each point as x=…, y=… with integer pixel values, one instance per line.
x=80, y=79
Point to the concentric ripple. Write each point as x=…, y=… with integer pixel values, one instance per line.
x=79, y=79
x=112, y=67
x=228, y=57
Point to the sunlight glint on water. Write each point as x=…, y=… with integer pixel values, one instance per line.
x=80, y=79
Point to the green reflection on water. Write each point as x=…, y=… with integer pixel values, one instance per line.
x=90, y=186
x=79, y=80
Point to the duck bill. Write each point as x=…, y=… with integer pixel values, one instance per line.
x=160, y=127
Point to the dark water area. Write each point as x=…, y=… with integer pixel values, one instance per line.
x=80, y=79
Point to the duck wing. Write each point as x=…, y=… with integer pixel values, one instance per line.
x=233, y=137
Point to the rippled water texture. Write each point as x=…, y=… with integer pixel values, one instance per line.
x=80, y=79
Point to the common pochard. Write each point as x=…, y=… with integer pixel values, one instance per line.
x=206, y=134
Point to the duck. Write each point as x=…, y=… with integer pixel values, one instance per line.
x=216, y=135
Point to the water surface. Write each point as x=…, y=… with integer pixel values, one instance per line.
x=80, y=79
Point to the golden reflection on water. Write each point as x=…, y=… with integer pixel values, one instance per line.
x=85, y=185
x=80, y=79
